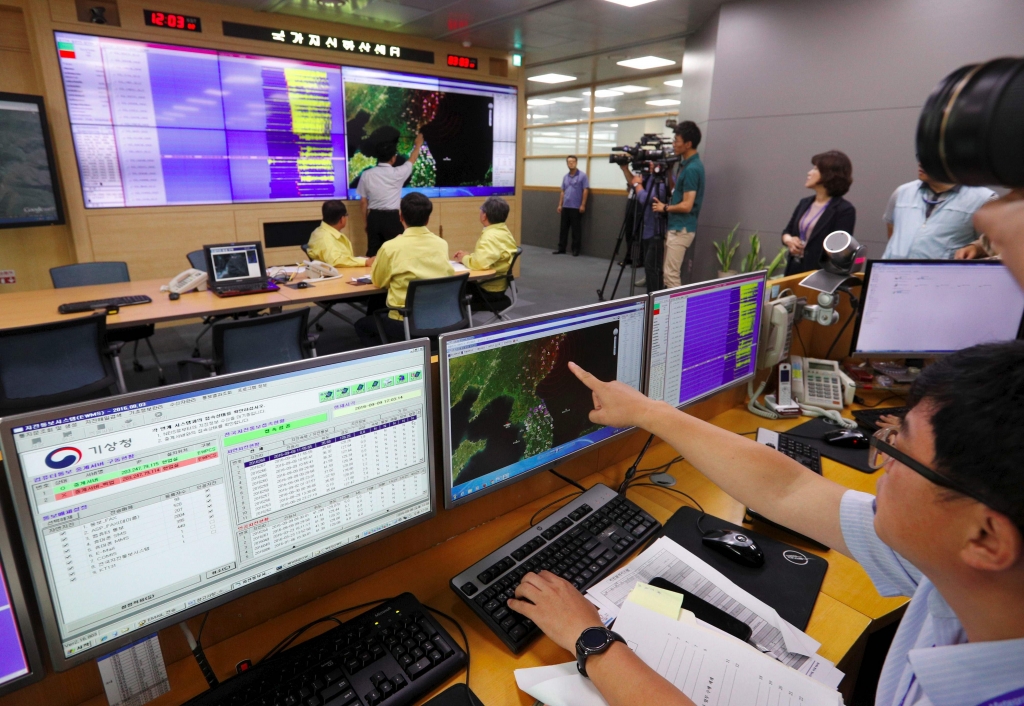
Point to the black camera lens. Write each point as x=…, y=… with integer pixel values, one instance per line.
x=971, y=129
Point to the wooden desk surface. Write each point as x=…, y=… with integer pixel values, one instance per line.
x=342, y=287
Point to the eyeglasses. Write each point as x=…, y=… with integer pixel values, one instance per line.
x=882, y=451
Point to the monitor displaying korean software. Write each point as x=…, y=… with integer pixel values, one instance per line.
x=510, y=405
x=933, y=307
x=704, y=338
x=20, y=661
x=140, y=511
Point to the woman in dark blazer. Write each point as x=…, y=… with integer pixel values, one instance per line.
x=817, y=216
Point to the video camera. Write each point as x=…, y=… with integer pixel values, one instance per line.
x=653, y=154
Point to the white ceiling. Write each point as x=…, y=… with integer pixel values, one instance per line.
x=579, y=37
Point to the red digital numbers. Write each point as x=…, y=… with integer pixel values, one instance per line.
x=172, y=21
x=461, y=62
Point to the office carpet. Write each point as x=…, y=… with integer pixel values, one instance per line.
x=547, y=283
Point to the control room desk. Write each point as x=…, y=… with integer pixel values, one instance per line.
x=40, y=306
x=844, y=614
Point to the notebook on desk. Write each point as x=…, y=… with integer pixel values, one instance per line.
x=789, y=581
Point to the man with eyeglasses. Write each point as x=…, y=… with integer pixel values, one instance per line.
x=947, y=527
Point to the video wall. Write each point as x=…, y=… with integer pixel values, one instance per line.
x=28, y=180
x=157, y=124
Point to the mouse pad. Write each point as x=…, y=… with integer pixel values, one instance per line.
x=789, y=581
x=811, y=433
x=457, y=695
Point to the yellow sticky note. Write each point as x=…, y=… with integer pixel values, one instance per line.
x=667, y=603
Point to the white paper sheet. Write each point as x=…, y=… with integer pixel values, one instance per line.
x=134, y=674
x=458, y=267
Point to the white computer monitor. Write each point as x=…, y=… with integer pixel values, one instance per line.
x=704, y=338
x=142, y=510
x=922, y=308
x=510, y=406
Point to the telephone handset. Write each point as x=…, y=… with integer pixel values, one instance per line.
x=777, y=331
x=187, y=281
x=321, y=269
x=817, y=382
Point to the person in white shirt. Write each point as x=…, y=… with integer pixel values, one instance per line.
x=380, y=187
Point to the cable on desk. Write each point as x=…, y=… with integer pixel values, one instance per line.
x=330, y=617
x=533, y=520
x=631, y=471
x=197, y=651
x=689, y=497
x=747, y=433
x=570, y=481
x=803, y=348
x=457, y=624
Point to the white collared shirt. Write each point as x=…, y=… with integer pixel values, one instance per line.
x=930, y=662
x=381, y=186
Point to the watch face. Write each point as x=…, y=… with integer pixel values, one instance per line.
x=593, y=638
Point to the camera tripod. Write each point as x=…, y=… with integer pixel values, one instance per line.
x=631, y=233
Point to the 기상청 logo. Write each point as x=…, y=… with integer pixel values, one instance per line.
x=63, y=457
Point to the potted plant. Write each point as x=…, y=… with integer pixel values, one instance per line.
x=753, y=261
x=725, y=252
x=778, y=262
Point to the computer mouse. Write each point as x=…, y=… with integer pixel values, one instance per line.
x=302, y=285
x=847, y=439
x=174, y=296
x=736, y=546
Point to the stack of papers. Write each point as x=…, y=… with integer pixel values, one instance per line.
x=458, y=267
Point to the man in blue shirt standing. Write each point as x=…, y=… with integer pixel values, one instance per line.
x=572, y=203
x=684, y=207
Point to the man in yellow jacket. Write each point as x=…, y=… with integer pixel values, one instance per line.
x=494, y=250
x=415, y=254
x=328, y=244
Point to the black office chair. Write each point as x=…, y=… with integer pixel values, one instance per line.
x=305, y=249
x=258, y=342
x=86, y=273
x=327, y=307
x=500, y=304
x=432, y=307
x=59, y=363
x=197, y=258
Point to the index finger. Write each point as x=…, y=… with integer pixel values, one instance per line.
x=586, y=378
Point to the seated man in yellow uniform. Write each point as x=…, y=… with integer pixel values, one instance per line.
x=328, y=244
x=415, y=254
x=494, y=250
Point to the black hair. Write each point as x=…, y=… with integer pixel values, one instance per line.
x=386, y=151
x=977, y=396
x=836, y=171
x=416, y=209
x=333, y=211
x=689, y=132
x=496, y=209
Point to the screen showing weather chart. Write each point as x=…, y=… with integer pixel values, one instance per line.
x=158, y=124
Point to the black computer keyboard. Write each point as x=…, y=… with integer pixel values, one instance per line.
x=797, y=450
x=393, y=654
x=868, y=418
x=103, y=304
x=582, y=542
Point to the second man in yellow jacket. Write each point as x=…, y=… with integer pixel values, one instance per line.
x=494, y=250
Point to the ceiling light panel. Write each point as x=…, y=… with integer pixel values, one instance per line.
x=606, y=93
x=644, y=63
x=552, y=78
x=630, y=3
x=677, y=83
x=629, y=89
x=539, y=101
x=664, y=101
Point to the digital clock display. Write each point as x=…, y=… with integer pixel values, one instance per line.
x=171, y=20
x=462, y=62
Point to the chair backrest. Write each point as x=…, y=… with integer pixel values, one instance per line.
x=305, y=248
x=53, y=364
x=197, y=259
x=509, y=277
x=437, y=306
x=85, y=273
x=253, y=343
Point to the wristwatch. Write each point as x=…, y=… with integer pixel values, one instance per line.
x=594, y=641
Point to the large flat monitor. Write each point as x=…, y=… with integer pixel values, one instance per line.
x=511, y=407
x=29, y=195
x=20, y=661
x=920, y=308
x=704, y=338
x=140, y=511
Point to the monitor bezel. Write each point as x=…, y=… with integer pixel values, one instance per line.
x=442, y=361
x=706, y=284
x=12, y=575
x=866, y=290
x=28, y=530
x=212, y=281
x=39, y=102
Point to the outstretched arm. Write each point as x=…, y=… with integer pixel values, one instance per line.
x=774, y=484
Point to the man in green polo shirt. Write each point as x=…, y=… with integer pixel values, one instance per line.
x=684, y=206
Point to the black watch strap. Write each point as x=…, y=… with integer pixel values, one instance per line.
x=587, y=646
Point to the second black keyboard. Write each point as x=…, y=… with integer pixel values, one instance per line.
x=868, y=418
x=103, y=304
x=582, y=542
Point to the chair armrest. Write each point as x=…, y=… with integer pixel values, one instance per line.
x=207, y=364
x=311, y=339
x=114, y=347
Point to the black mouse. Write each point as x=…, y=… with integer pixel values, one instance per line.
x=736, y=546
x=302, y=285
x=847, y=439
x=174, y=296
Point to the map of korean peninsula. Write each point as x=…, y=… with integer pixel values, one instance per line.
x=515, y=401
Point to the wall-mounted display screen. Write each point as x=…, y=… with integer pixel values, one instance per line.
x=28, y=180
x=469, y=130
x=158, y=124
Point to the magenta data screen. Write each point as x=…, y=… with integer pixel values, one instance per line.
x=13, y=662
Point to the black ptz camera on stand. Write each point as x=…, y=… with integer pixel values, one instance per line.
x=651, y=158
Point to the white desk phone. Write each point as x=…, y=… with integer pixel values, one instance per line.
x=186, y=281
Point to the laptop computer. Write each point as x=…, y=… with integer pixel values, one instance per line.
x=237, y=268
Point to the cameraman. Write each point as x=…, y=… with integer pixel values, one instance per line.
x=653, y=234
x=684, y=207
